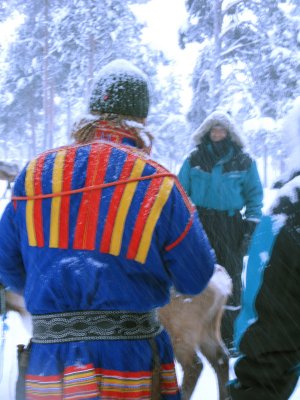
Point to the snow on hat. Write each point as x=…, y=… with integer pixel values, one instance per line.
x=121, y=88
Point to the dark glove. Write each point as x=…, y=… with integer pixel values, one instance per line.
x=249, y=228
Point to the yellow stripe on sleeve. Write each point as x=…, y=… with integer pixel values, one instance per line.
x=117, y=234
x=29, y=187
x=152, y=219
x=57, y=182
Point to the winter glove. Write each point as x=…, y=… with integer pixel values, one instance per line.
x=249, y=227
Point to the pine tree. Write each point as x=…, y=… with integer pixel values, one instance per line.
x=249, y=49
x=275, y=65
x=60, y=47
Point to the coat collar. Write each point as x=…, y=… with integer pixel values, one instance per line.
x=120, y=133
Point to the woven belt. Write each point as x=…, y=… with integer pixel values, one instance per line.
x=94, y=325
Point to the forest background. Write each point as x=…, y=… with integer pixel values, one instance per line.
x=243, y=56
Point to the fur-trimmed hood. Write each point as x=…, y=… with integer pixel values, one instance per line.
x=215, y=118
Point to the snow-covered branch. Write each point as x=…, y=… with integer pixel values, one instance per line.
x=231, y=5
x=237, y=47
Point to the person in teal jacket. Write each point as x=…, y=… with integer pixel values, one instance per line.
x=223, y=182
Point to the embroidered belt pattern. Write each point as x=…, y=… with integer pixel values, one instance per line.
x=94, y=325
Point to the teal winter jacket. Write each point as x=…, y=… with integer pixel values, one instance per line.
x=228, y=181
x=231, y=184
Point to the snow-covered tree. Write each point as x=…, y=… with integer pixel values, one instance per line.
x=249, y=52
x=249, y=61
x=275, y=65
x=60, y=46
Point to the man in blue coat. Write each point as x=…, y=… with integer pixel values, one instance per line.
x=223, y=182
x=95, y=236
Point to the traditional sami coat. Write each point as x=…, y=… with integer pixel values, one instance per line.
x=100, y=226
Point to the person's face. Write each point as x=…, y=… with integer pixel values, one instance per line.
x=217, y=133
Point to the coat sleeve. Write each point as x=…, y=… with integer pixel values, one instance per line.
x=184, y=176
x=253, y=194
x=187, y=253
x=270, y=346
x=12, y=272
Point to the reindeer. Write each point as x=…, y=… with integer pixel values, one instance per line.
x=8, y=173
x=193, y=323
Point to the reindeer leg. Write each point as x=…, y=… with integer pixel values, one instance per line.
x=4, y=193
x=192, y=367
x=217, y=355
x=8, y=187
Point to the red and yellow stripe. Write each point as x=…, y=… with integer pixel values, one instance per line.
x=57, y=184
x=33, y=186
x=80, y=383
x=149, y=213
x=87, y=219
x=168, y=379
x=65, y=200
x=85, y=382
x=125, y=202
x=44, y=387
x=38, y=215
x=86, y=228
x=124, y=385
x=29, y=187
x=142, y=216
x=114, y=204
x=59, y=217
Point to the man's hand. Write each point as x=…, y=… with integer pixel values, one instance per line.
x=249, y=228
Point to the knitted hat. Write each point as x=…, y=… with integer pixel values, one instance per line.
x=120, y=88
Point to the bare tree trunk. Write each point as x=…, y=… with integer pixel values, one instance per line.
x=46, y=76
x=32, y=150
x=51, y=115
x=216, y=78
x=282, y=164
x=69, y=120
x=91, y=66
x=265, y=165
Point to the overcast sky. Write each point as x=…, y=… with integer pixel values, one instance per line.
x=163, y=19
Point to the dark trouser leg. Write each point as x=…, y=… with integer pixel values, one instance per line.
x=225, y=234
x=264, y=392
x=233, y=305
x=271, y=376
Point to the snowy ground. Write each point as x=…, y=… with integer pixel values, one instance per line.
x=206, y=388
